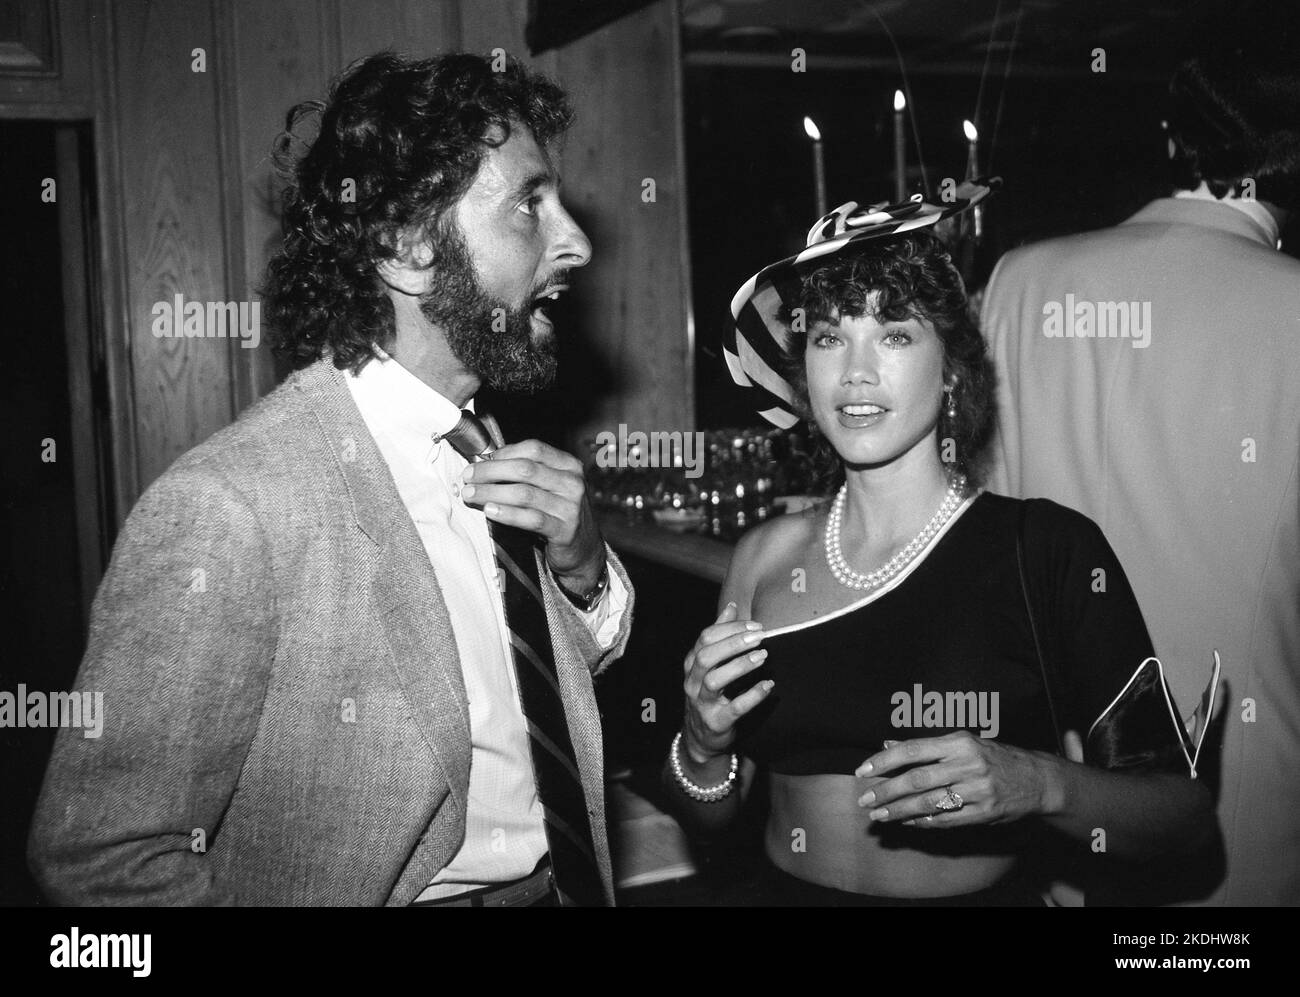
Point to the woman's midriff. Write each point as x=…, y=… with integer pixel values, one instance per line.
x=817, y=832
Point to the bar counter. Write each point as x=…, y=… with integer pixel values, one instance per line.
x=699, y=556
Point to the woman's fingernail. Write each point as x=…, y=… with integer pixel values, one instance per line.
x=864, y=769
x=469, y=473
x=467, y=491
x=491, y=509
x=758, y=655
x=753, y=637
x=868, y=798
x=880, y=814
x=753, y=625
x=767, y=685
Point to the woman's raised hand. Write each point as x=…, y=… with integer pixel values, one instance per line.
x=724, y=652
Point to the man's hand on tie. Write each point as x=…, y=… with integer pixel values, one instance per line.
x=535, y=487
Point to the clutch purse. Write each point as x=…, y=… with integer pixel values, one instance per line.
x=1120, y=738
x=1127, y=734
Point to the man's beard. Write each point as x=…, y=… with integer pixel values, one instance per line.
x=510, y=359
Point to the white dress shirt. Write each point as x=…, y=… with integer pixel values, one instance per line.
x=504, y=833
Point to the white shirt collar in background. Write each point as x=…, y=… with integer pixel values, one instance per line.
x=1253, y=210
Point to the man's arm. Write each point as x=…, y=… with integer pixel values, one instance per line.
x=577, y=626
x=182, y=639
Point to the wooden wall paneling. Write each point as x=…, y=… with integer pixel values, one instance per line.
x=44, y=58
x=418, y=28
x=625, y=80
x=500, y=24
x=174, y=211
x=492, y=24
x=281, y=54
x=27, y=38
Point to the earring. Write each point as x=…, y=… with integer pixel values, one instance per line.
x=952, y=405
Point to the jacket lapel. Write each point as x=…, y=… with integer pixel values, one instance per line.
x=403, y=587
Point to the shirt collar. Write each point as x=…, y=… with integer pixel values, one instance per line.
x=1253, y=210
x=406, y=408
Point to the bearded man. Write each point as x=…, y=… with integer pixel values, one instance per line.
x=346, y=659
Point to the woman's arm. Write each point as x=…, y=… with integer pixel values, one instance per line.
x=1136, y=788
x=707, y=818
x=724, y=652
x=1142, y=815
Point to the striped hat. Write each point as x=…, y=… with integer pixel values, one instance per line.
x=754, y=341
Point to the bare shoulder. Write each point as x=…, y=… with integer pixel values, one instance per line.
x=782, y=533
x=764, y=548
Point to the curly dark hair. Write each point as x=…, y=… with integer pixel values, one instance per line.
x=915, y=278
x=1236, y=115
x=399, y=142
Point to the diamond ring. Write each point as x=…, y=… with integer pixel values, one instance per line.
x=952, y=801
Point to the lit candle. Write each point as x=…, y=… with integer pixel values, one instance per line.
x=900, y=153
x=819, y=164
x=972, y=172
x=972, y=153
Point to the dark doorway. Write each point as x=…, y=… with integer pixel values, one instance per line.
x=53, y=501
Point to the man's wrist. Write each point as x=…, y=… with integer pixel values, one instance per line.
x=585, y=589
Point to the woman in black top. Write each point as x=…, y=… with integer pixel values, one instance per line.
x=876, y=658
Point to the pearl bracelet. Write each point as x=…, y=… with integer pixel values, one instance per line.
x=705, y=794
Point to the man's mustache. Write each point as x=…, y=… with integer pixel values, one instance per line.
x=559, y=278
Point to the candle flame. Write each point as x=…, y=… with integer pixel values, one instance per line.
x=810, y=127
x=900, y=101
x=968, y=127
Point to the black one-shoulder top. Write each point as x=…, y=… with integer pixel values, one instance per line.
x=949, y=647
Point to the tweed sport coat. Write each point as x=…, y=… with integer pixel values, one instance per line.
x=285, y=716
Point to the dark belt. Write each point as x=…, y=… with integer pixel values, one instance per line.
x=534, y=890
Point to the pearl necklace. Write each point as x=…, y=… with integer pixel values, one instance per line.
x=874, y=579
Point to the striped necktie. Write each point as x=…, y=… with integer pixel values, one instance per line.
x=555, y=766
